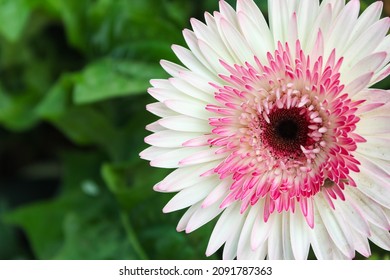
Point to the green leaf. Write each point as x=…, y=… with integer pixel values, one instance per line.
x=17, y=112
x=88, y=126
x=13, y=18
x=80, y=168
x=83, y=125
x=131, y=183
x=172, y=245
x=9, y=246
x=124, y=22
x=58, y=98
x=107, y=78
x=157, y=231
x=43, y=221
x=77, y=224
x=73, y=15
x=74, y=226
x=40, y=220
x=178, y=11
x=101, y=238
x=147, y=50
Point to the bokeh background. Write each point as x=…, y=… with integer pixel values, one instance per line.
x=73, y=80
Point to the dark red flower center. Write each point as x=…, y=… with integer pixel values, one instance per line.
x=286, y=132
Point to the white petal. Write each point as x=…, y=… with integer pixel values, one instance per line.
x=254, y=28
x=185, y=123
x=342, y=27
x=198, y=141
x=380, y=96
x=179, y=177
x=373, y=125
x=373, y=95
x=374, y=168
x=252, y=10
x=275, y=245
x=300, y=241
x=318, y=49
x=286, y=237
x=383, y=164
x=237, y=44
x=161, y=83
x=307, y=12
x=155, y=127
x=152, y=152
x=244, y=245
x=353, y=216
x=191, y=109
x=191, y=195
x=184, y=88
x=370, y=183
x=278, y=19
x=380, y=237
x=210, y=22
x=213, y=58
x=198, y=82
x=160, y=110
x=376, y=147
x=170, y=138
x=367, y=41
x=223, y=52
x=292, y=6
x=369, y=208
x=360, y=242
x=358, y=84
x=337, y=6
x=213, y=38
x=258, y=254
x=366, y=19
x=384, y=46
x=382, y=74
x=218, y=193
x=386, y=211
x=261, y=229
x=336, y=229
x=230, y=249
x=202, y=216
x=292, y=30
x=320, y=240
x=228, y=12
x=244, y=251
x=171, y=158
x=192, y=42
x=367, y=65
x=171, y=68
x=191, y=62
x=186, y=217
x=259, y=40
x=188, y=181
x=204, y=155
x=224, y=228
x=322, y=23
x=338, y=255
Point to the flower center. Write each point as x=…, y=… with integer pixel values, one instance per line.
x=286, y=132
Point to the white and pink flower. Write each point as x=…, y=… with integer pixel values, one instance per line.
x=275, y=129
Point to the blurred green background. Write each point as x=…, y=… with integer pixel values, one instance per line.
x=73, y=80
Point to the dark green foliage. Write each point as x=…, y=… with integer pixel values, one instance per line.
x=73, y=80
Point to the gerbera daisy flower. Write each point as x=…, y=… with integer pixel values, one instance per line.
x=275, y=129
